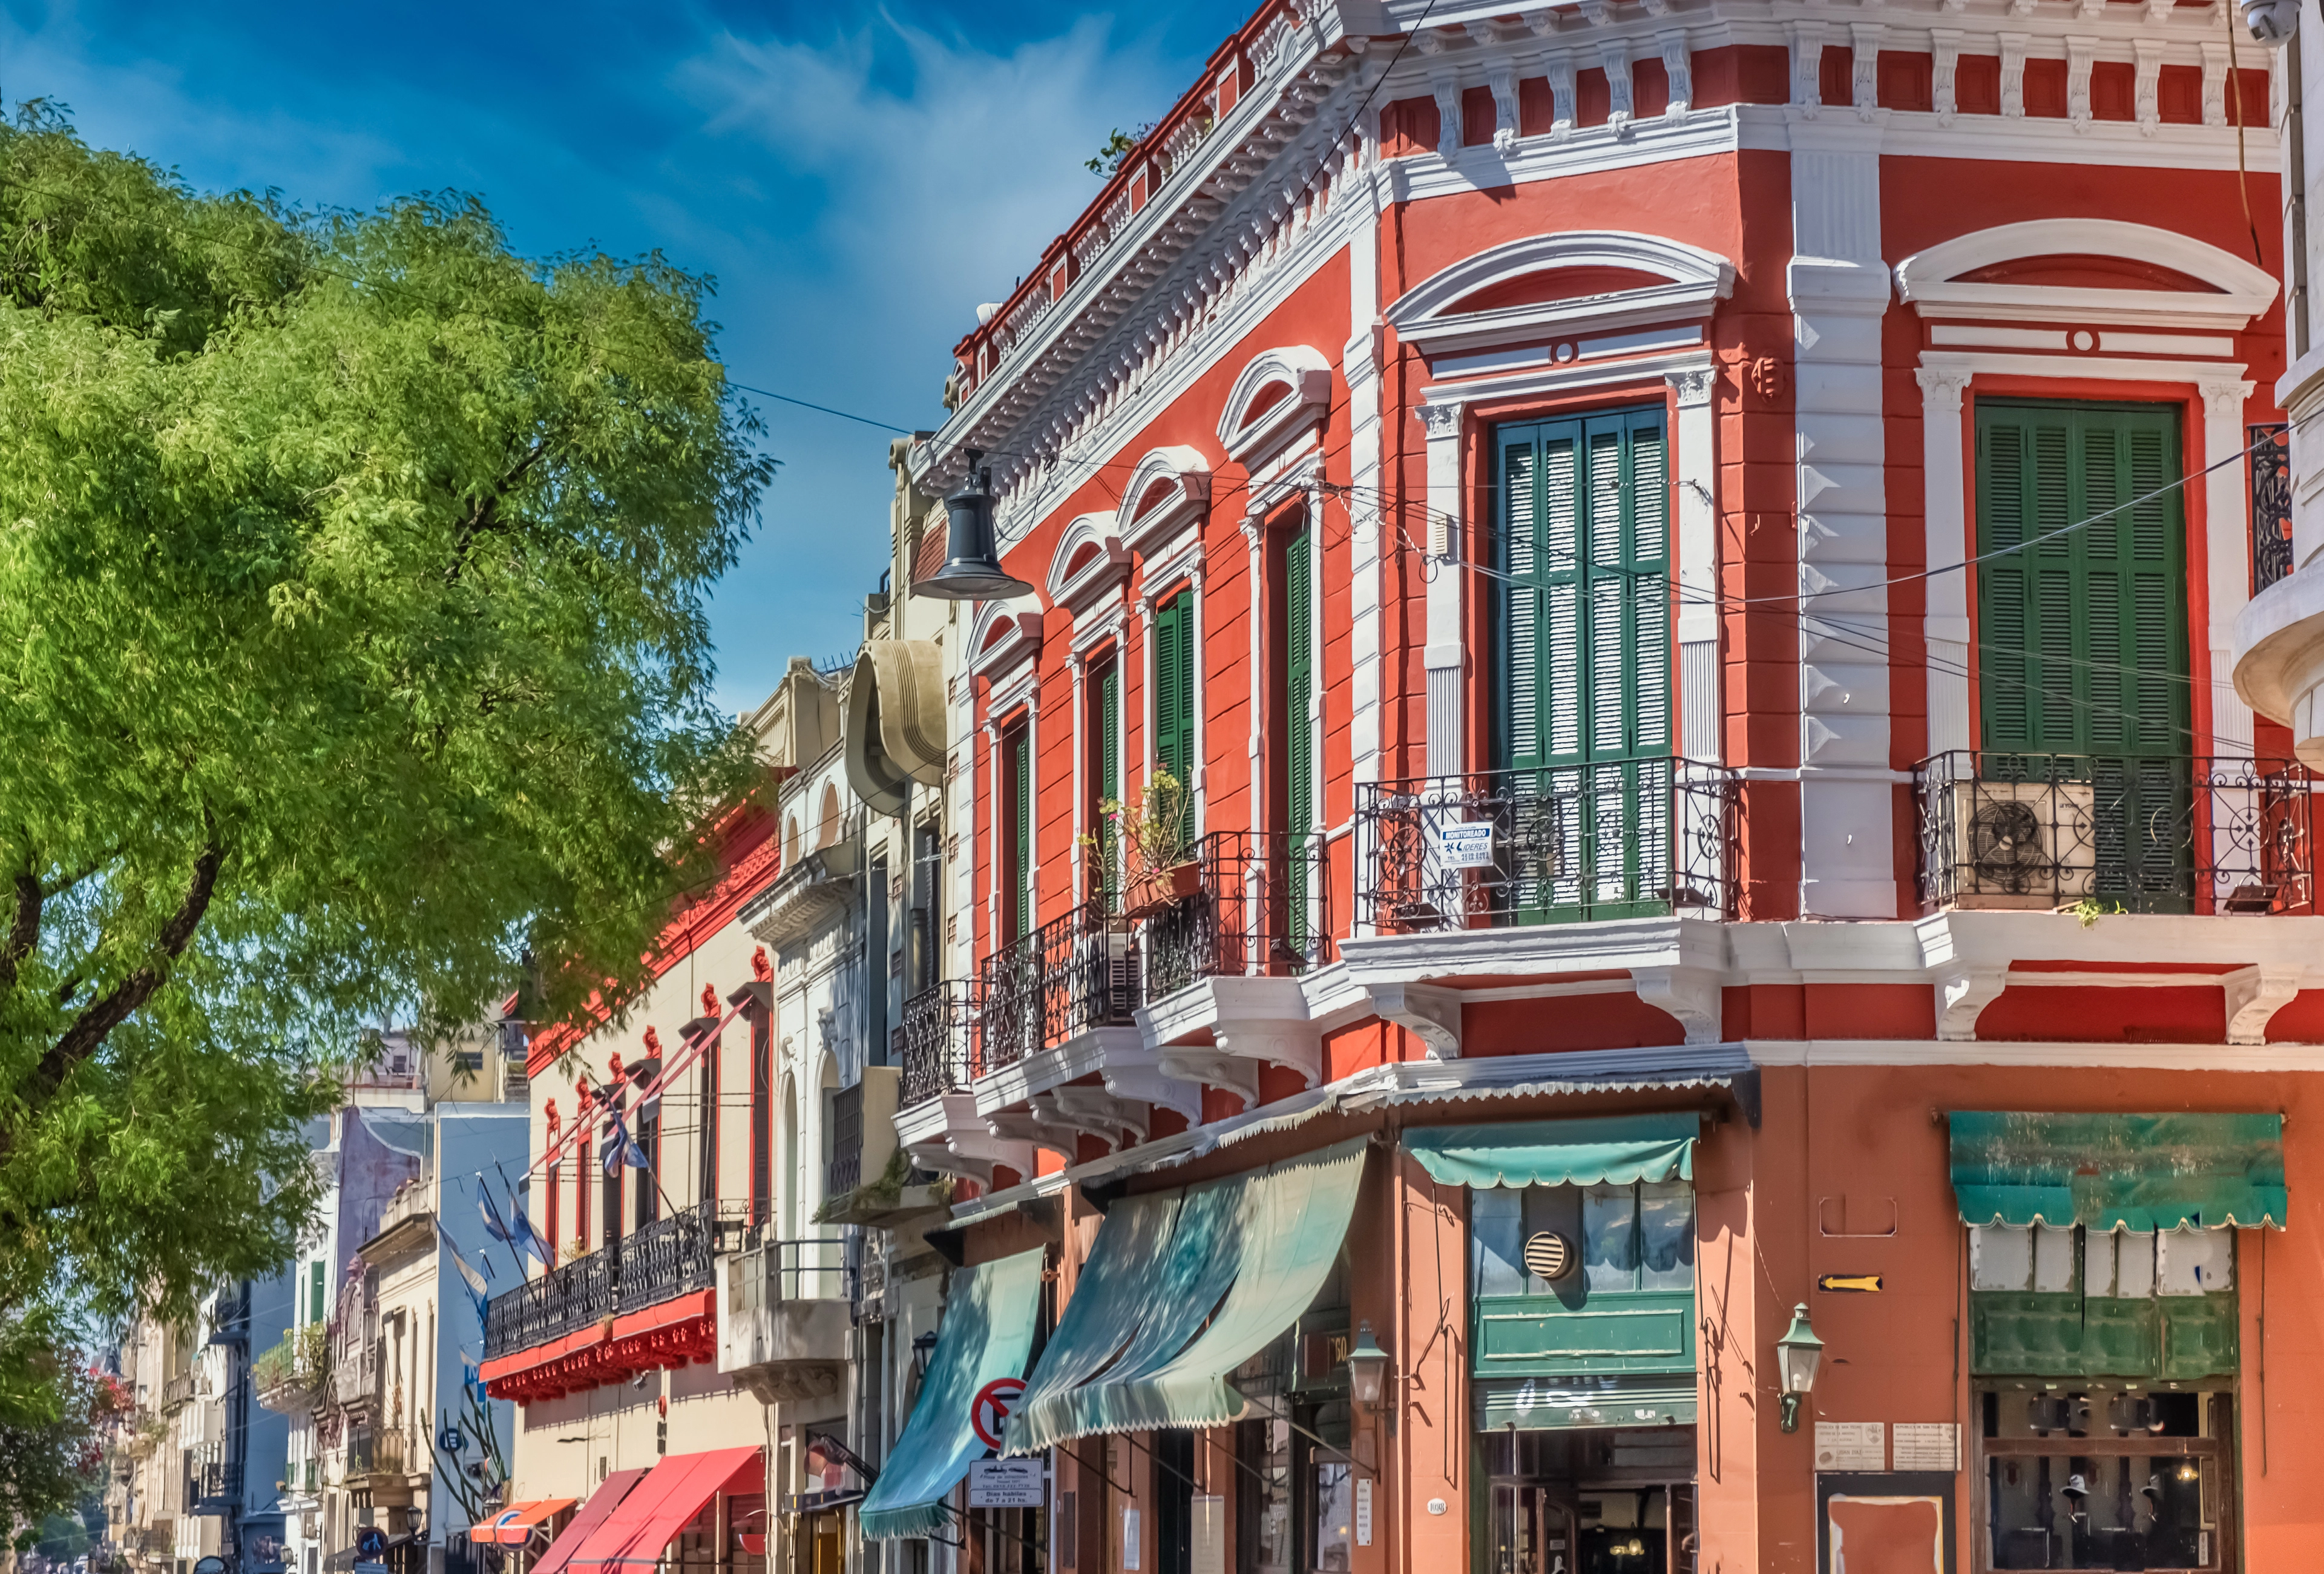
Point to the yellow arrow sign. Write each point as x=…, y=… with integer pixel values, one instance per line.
x=1862, y=1283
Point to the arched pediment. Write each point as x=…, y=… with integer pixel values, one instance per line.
x=1167, y=491
x=1572, y=280
x=1090, y=557
x=2088, y=271
x=1280, y=391
x=1004, y=632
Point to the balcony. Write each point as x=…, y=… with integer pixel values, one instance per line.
x=213, y=1481
x=377, y=1459
x=288, y=1376
x=177, y=1391
x=355, y=1375
x=668, y=1258
x=1073, y=974
x=1258, y=911
x=2107, y=834
x=938, y=1027
x=784, y=1315
x=810, y=893
x=1645, y=839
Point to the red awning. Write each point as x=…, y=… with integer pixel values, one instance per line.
x=602, y=1503
x=664, y=1504
x=513, y=1525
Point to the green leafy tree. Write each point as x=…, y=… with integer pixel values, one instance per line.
x=56, y=1415
x=351, y=648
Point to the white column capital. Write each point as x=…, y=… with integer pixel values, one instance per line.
x=1942, y=388
x=1692, y=385
x=1441, y=420
x=2224, y=399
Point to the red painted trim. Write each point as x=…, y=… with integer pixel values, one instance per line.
x=678, y=1332
x=749, y=861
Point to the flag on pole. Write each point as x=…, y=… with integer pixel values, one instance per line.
x=620, y=1147
x=475, y=1281
x=527, y=1240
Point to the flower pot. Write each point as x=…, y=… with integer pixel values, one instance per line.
x=1184, y=879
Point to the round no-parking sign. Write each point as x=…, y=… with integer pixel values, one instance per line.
x=989, y=1411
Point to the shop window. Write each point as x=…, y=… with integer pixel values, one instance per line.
x=2105, y=1439
x=1606, y=1501
x=2107, y=1476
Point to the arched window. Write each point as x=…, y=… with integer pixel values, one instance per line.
x=830, y=831
x=790, y=842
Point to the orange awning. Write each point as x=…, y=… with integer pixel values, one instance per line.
x=594, y=1513
x=513, y=1525
x=664, y=1504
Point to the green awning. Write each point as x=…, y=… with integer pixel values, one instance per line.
x=1612, y=1150
x=987, y=1333
x=1189, y=1286
x=2118, y=1172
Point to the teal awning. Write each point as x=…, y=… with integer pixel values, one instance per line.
x=2118, y=1172
x=1181, y=1289
x=1612, y=1150
x=987, y=1333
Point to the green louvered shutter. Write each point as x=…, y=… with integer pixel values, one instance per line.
x=1020, y=814
x=2082, y=639
x=1585, y=663
x=1108, y=722
x=1174, y=693
x=1298, y=720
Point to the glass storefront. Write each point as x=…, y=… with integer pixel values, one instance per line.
x=1597, y=1501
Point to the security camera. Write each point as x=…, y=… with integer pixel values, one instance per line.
x=2271, y=21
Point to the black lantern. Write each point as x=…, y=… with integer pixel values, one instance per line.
x=972, y=570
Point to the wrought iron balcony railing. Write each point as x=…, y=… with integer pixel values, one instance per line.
x=1073, y=974
x=2137, y=833
x=1259, y=909
x=1555, y=844
x=937, y=1040
x=668, y=1258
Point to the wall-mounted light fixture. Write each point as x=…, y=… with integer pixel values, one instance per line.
x=1798, y=1354
x=1367, y=1367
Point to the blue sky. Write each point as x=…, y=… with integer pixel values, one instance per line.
x=857, y=179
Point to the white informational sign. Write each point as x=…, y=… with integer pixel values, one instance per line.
x=1852, y=1445
x=1129, y=1541
x=1209, y=1553
x=1467, y=845
x=1006, y=1484
x=1363, y=1511
x=1928, y=1445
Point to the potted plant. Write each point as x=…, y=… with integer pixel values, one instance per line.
x=1155, y=836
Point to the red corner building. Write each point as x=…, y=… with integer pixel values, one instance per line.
x=1729, y=984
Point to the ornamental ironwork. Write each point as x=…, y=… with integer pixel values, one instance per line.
x=2271, y=503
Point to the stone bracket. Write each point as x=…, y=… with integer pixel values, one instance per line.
x=1432, y=1013
x=1962, y=994
x=1695, y=996
x=2254, y=994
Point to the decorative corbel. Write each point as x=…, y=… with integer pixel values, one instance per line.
x=1961, y=994
x=1432, y=1013
x=1694, y=995
x=2254, y=994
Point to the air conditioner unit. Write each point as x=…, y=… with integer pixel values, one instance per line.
x=2027, y=845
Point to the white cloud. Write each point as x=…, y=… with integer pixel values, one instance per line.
x=940, y=196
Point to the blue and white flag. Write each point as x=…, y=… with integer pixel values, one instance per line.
x=475, y=1281
x=620, y=1147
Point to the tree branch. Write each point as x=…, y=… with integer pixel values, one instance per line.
x=486, y=516
x=110, y=1010
x=24, y=931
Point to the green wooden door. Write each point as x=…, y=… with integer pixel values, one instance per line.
x=1174, y=694
x=2082, y=636
x=1106, y=716
x=1583, y=665
x=1298, y=721
x=1018, y=772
